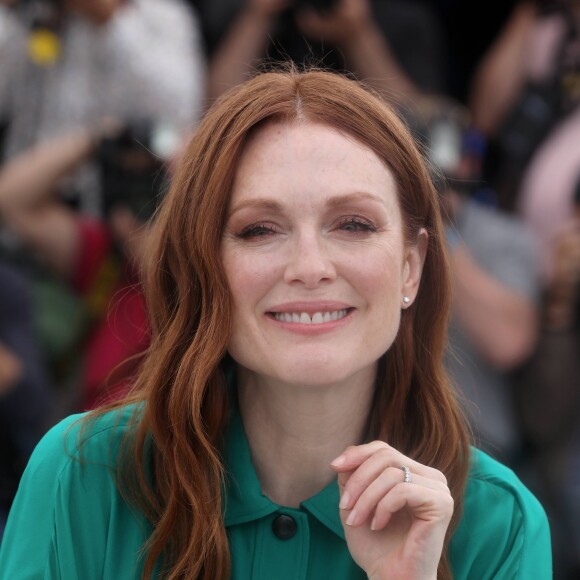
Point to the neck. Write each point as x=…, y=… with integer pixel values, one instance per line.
x=295, y=431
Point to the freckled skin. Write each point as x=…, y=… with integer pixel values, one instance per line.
x=314, y=216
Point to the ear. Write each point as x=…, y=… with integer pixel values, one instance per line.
x=413, y=268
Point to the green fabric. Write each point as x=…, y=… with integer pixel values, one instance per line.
x=68, y=520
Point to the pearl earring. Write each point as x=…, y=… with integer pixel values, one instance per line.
x=406, y=299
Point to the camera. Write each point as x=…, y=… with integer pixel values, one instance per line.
x=133, y=168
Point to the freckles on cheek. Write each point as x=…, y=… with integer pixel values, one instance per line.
x=376, y=276
x=247, y=277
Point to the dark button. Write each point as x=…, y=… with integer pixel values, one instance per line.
x=284, y=527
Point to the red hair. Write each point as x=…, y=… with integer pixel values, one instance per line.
x=181, y=387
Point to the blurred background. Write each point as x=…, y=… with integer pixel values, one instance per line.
x=99, y=97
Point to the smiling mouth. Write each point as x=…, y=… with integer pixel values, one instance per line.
x=305, y=318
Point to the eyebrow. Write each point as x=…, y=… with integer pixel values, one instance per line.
x=258, y=203
x=350, y=198
x=335, y=201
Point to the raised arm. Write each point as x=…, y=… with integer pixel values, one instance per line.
x=28, y=201
x=501, y=74
x=351, y=27
x=244, y=44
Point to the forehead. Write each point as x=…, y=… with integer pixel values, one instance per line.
x=310, y=160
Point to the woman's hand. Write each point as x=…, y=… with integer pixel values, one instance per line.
x=393, y=529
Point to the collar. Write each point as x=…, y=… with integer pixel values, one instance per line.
x=243, y=497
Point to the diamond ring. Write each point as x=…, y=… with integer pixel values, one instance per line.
x=408, y=478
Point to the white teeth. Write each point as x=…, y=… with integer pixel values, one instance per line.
x=317, y=318
x=305, y=318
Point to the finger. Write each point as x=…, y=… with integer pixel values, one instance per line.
x=354, y=456
x=424, y=503
x=365, y=506
x=385, y=464
x=359, y=479
x=343, y=478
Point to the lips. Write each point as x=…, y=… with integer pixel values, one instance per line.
x=311, y=313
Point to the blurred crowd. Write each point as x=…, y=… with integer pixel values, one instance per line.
x=99, y=97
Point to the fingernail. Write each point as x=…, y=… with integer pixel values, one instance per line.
x=338, y=461
x=351, y=518
x=344, y=501
x=374, y=524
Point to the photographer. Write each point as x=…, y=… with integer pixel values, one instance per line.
x=524, y=98
x=99, y=258
x=65, y=64
x=370, y=39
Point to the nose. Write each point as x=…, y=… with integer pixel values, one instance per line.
x=309, y=263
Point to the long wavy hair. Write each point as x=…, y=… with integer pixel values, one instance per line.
x=171, y=467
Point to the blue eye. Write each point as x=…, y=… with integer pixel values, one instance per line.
x=356, y=224
x=256, y=231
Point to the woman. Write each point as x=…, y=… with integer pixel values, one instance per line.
x=298, y=295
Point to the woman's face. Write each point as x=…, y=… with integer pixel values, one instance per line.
x=314, y=254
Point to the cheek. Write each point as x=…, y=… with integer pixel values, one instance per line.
x=249, y=278
x=384, y=314
x=378, y=276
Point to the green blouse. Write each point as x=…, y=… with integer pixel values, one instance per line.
x=69, y=522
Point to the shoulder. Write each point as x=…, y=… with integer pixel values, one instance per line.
x=504, y=530
x=78, y=448
x=489, y=479
x=68, y=514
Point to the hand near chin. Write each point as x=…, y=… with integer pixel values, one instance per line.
x=393, y=529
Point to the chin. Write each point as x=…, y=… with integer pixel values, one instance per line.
x=322, y=373
x=307, y=366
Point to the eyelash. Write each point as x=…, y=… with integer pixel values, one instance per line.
x=256, y=231
x=362, y=224
x=260, y=230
